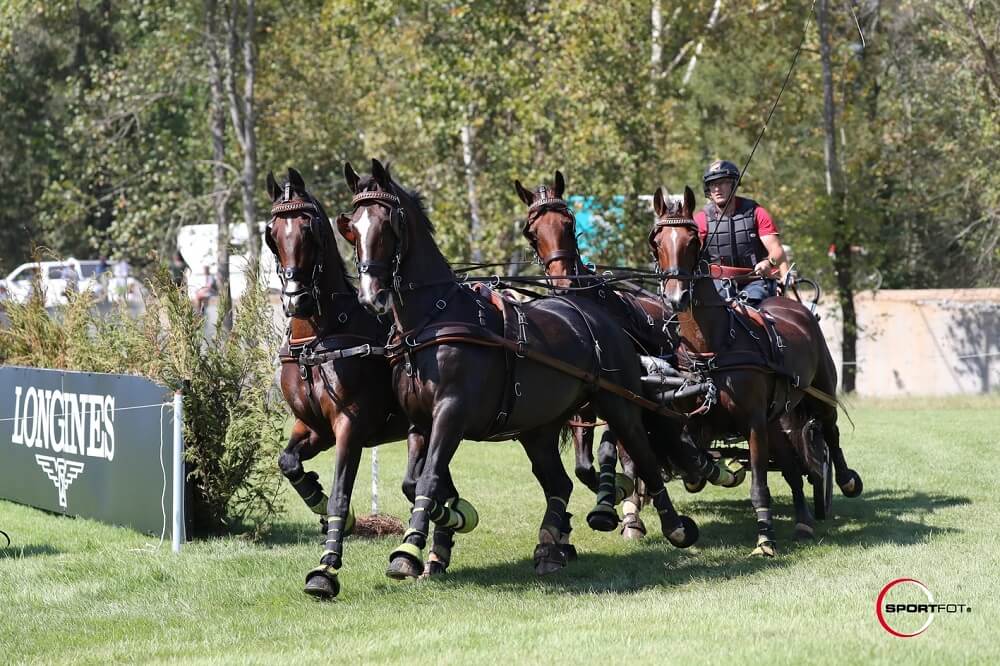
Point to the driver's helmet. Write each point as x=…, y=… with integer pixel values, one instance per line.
x=718, y=170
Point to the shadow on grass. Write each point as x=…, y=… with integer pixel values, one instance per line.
x=15, y=551
x=727, y=537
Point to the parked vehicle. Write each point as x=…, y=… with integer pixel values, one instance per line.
x=55, y=278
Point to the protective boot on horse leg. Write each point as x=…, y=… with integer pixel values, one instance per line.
x=583, y=446
x=304, y=444
x=553, y=551
x=784, y=455
x=625, y=418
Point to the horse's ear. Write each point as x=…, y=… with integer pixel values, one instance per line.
x=659, y=202
x=295, y=178
x=272, y=187
x=688, y=202
x=381, y=175
x=351, y=177
x=525, y=195
x=560, y=184
x=345, y=229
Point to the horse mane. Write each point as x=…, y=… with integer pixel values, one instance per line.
x=411, y=199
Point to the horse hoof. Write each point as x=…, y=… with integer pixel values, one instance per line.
x=603, y=518
x=696, y=487
x=569, y=550
x=549, y=558
x=633, y=527
x=685, y=534
x=322, y=583
x=853, y=486
x=405, y=562
x=804, y=532
x=470, y=517
x=624, y=487
x=434, y=568
x=765, y=549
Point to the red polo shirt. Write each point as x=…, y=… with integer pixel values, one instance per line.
x=765, y=224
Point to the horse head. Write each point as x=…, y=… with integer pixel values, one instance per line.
x=676, y=245
x=550, y=228
x=378, y=231
x=300, y=237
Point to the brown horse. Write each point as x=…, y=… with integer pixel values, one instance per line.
x=332, y=375
x=760, y=375
x=458, y=377
x=550, y=228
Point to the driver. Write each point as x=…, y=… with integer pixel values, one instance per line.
x=743, y=235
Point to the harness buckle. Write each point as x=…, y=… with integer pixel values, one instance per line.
x=366, y=350
x=342, y=317
x=441, y=304
x=410, y=342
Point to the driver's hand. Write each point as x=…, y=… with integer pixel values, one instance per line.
x=762, y=268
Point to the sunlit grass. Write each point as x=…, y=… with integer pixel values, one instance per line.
x=80, y=591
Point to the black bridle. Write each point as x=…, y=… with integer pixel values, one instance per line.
x=536, y=210
x=307, y=281
x=397, y=222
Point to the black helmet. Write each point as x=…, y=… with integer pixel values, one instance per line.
x=718, y=170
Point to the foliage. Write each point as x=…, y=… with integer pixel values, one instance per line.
x=232, y=420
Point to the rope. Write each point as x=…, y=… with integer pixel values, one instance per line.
x=116, y=409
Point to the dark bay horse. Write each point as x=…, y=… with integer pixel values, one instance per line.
x=550, y=228
x=458, y=376
x=763, y=379
x=334, y=380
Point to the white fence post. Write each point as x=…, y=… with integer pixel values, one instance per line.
x=374, y=481
x=177, y=533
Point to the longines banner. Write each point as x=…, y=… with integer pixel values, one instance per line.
x=87, y=444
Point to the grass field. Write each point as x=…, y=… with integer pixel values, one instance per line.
x=79, y=591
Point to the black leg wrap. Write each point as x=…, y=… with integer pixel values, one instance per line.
x=568, y=549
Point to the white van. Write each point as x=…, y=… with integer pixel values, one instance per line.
x=55, y=277
x=197, y=243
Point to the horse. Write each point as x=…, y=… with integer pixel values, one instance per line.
x=333, y=376
x=466, y=369
x=767, y=369
x=550, y=229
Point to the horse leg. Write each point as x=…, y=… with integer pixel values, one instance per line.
x=625, y=419
x=553, y=550
x=784, y=455
x=760, y=495
x=604, y=517
x=583, y=448
x=322, y=581
x=632, y=525
x=304, y=444
x=406, y=561
x=444, y=535
x=848, y=480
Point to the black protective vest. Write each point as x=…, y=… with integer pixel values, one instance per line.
x=734, y=241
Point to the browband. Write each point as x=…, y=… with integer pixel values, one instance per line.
x=546, y=202
x=374, y=196
x=293, y=207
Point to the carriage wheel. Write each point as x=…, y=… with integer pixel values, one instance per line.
x=823, y=489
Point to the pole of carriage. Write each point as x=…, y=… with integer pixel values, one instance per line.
x=177, y=532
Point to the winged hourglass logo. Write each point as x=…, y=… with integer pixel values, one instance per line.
x=62, y=472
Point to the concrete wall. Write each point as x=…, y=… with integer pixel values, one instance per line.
x=923, y=341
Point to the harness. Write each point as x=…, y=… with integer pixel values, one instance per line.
x=769, y=355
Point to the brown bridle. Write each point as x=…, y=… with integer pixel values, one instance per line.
x=397, y=221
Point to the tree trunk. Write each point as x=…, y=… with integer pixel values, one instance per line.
x=220, y=195
x=842, y=234
x=242, y=114
x=469, y=162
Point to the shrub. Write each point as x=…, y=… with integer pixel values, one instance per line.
x=232, y=416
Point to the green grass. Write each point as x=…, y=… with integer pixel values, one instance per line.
x=78, y=591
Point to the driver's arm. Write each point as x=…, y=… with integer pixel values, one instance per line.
x=775, y=256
